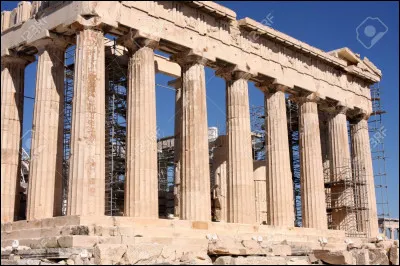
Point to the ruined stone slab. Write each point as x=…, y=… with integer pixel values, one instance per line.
x=336, y=257
x=394, y=255
x=378, y=257
x=361, y=256
x=281, y=250
x=250, y=260
x=106, y=254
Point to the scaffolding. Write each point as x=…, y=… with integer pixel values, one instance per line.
x=257, y=119
x=116, y=89
x=166, y=175
x=257, y=123
x=344, y=203
x=292, y=110
x=377, y=134
x=68, y=96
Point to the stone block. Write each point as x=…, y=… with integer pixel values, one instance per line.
x=142, y=253
x=259, y=260
x=281, y=250
x=394, y=255
x=312, y=259
x=226, y=246
x=109, y=240
x=334, y=257
x=200, y=225
x=224, y=260
x=378, y=257
x=196, y=258
x=385, y=244
x=361, y=256
x=297, y=260
x=50, y=232
x=20, y=234
x=368, y=246
x=77, y=241
x=42, y=242
x=106, y=254
x=300, y=249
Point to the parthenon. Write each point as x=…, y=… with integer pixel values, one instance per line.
x=331, y=89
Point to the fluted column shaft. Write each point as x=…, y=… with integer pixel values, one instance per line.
x=311, y=172
x=87, y=161
x=195, y=173
x=363, y=174
x=324, y=136
x=219, y=164
x=12, y=98
x=279, y=177
x=260, y=187
x=45, y=173
x=141, y=186
x=177, y=149
x=241, y=198
x=342, y=196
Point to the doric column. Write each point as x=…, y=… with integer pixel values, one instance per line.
x=177, y=84
x=195, y=174
x=45, y=173
x=141, y=183
x=391, y=233
x=87, y=161
x=279, y=176
x=12, y=101
x=324, y=136
x=220, y=193
x=241, y=198
x=364, y=175
x=260, y=187
x=311, y=172
x=342, y=196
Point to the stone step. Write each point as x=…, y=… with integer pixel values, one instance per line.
x=46, y=253
x=151, y=231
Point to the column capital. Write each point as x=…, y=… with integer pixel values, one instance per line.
x=14, y=58
x=303, y=98
x=136, y=40
x=176, y=83
x=51, y=43
x=270, y=87
x=358, y=115
x=231, y=73
x=189, y=57
x=334, y=109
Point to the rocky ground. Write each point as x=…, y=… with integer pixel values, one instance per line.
x=226, y=251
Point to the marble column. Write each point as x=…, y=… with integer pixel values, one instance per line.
x=324, y=136
x=391, y=233
x=45, y=173
x=241, y=198
x=364, y=175
x=220, y=193
x=260, y=188
x=279, y=176
x=177, y=84
x=195, y=171
x=141, y=184
x=311, y=171
x=86, y=195
x=342, y=196
x=12, y=99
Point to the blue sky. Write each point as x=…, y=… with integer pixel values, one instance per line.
x=325, y=25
